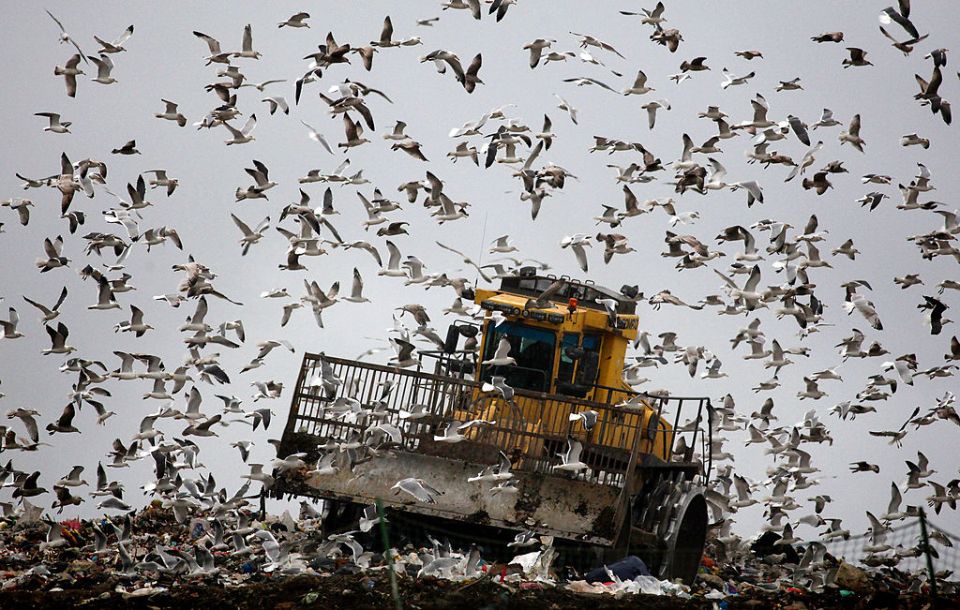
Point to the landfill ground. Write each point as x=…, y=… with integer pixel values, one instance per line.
x=373, y=591
x=85, y=584
x=75, y=571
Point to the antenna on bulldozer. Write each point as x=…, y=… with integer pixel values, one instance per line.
x=483, y=240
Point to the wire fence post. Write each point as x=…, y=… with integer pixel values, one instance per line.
x=389, y=556
x=926, y=551
x=263, y=503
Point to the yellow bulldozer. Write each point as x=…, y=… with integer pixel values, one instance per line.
x=535, y=400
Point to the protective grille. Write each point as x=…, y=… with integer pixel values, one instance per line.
x=531, y=430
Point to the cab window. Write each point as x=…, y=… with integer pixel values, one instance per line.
x=532, y=348
x=570, y=343
x=579, y=364
x=589, y=364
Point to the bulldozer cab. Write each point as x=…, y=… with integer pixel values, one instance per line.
x=569, y=345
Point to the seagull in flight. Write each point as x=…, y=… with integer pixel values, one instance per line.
x=65, y=37
x=571, y=458
x=418, y=488
x=467, y=261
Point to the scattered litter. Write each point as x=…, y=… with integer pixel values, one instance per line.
x=236, y=560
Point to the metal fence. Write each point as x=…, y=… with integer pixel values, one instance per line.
x=908, y=547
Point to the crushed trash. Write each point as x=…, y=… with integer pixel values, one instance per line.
x=242, y=561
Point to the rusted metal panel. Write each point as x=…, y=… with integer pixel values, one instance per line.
x=549, y=504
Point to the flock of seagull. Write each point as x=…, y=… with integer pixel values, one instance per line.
x=130, y=226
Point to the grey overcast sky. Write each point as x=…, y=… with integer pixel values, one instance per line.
x=164, y=60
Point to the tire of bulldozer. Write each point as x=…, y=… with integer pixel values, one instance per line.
x=686, y=537
x=668, y=529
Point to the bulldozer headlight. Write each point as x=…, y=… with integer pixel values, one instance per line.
x=509, y=310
